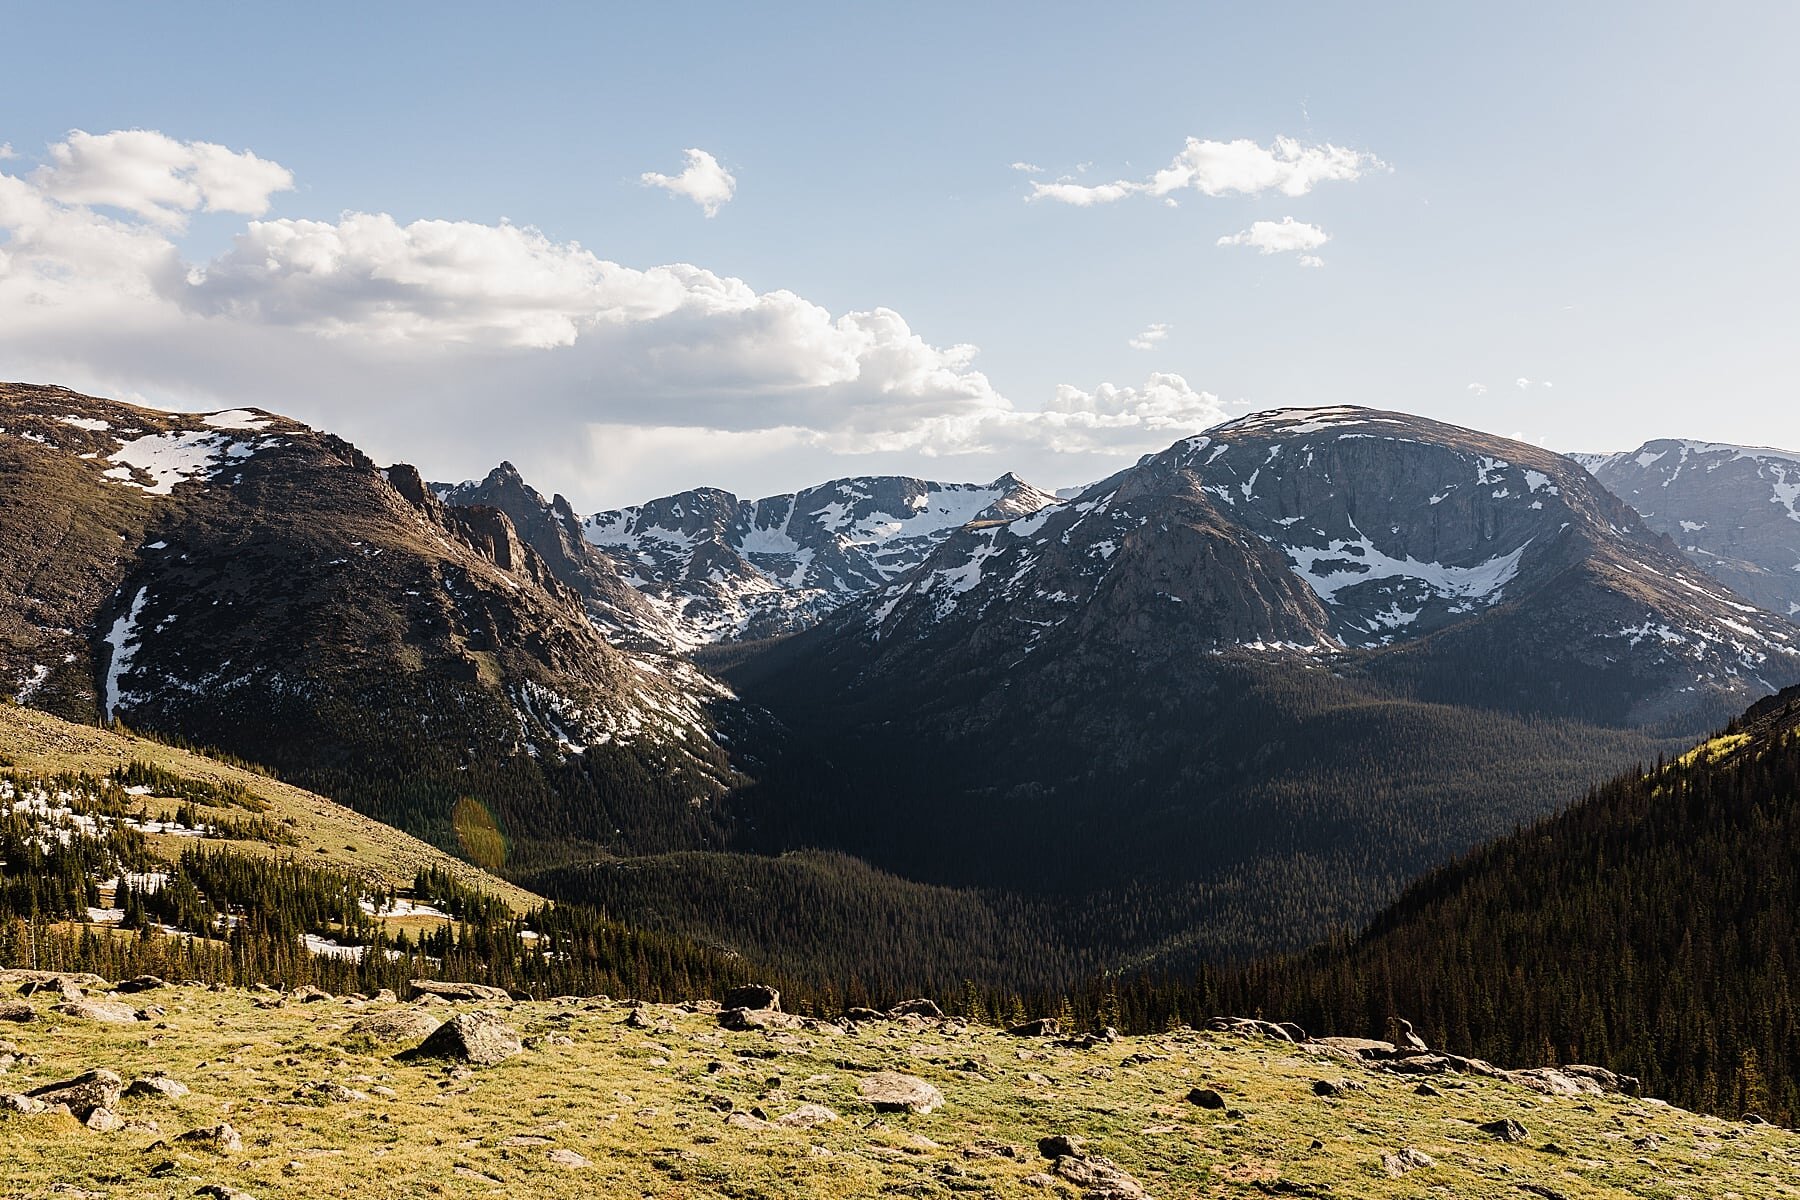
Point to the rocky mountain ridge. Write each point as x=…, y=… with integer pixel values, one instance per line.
x=725, y=569
x=243, y=581
x=1733, y=510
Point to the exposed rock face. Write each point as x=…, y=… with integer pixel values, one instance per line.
x=159, y=1087
x=725, y=569
x=1506, y=1129
x=1402, y=1162
x=891, y=1091
x=917, y=1008
x=1099, y=1179
x=553, y=531
x=478, y=1038
x=1733, y=510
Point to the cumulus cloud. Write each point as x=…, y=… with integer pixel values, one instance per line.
x=1285, y=236
x=1478, y=389
x=157, y=177
x=1216, y=168
x=6, y=151
x=1147, y=340
x=703, y=181
x=1522, y=383
x=454, y=342
x=1031, y=168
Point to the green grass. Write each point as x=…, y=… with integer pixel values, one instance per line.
x=638, y=1104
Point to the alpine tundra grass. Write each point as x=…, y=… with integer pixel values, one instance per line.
x=611, y=1098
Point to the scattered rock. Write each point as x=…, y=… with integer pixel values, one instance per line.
x=325, y=1091
x=744, y=1019
x=103, y=1120
x=83, y=1094
x=1062, y=1145
x=1206, y=1098
x=1425, y=1089
x=753, y=996
x=1507, y=1130
x=158, y=1087
x=1400, y=1032
x=308, y=994
x=890, y=1091
x=1575, y=1079
x=1251, y=1026
x=18, y=1102
x=108, y=1011
x=1099, y=1179
x=808, y=1116
x=143, y=983
x=221, y=1138
x=219, y=1191
x=1037, y=1027
x=478, y=1038
x=398, y=1025
x=920, y=1007
x=1327, y=1087
x=567, y=1158
x=460, y=991
x=1402, y=1161
x=864, y=1014
x=79, y=980
x=17, y=1010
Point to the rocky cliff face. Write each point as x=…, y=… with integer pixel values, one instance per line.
x=724, y=569
x=246, y=582
x=550, y=527
x=1734, y=510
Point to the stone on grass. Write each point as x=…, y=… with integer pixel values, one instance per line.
x=808, y=1116
x=143, y=983
x=397, y=1025
x=478, y=1038
x=1036, y=1027
x=221, y=1138
x=567, y=1158
x=1402, y=1161
x=752, y=995
x=18, y=1011
x=159, y=1087
x=890, y=1091
x=1206, y=1098
x=83, y=1094
x=460, y=991
x=1099, y=1179
x=920, y=1007
x=110, y=1012
x=1506, y=1129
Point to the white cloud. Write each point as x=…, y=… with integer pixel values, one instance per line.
x=1522, y=383
x=1032, y=168
x=6, y=151
x=1310, y=260
x=1147, y=340
x=454, y=342
x=157, y=177
x=1281, y=237
x=703, y=181
x=1478, y=389
x=1216, y=168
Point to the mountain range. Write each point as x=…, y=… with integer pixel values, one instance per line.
x=1234, y=696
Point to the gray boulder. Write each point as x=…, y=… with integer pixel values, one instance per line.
x=398, y=1025
x=480, y=1039
x=890, y=1091
x=17, y=1011
x=460, y=991
x=920, y=1007
x=83, y=1094
x=221, y=1139
x=752, y=995
x=1036, y=1027
x=1507, y=1130
x=1100, y=1179
x=108, y=1011
x=157, y=1087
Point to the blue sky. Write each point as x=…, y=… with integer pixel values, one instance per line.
x=1593, y=197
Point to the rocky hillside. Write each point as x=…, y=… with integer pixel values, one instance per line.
x=244, y=1094
x=722, y=568
x=246, y=582
x=1734, y=510
x=1242, y=691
